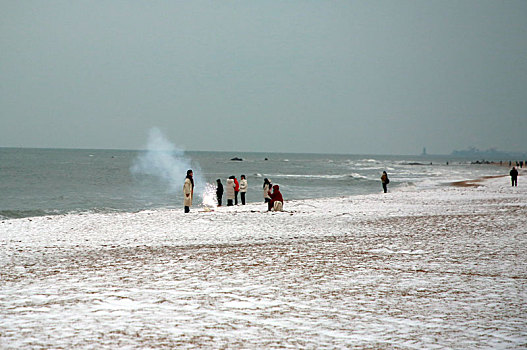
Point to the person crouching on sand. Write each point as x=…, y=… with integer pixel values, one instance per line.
x=188, y=191
x=385, y=181
x=277, y=201
x=229, y=191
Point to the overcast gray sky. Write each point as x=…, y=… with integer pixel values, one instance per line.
x=366, y=77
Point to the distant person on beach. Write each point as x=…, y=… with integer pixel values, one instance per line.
x=266, y=193
x=188, y=191
x=236, y=190
x=514, y=176
x=243, y=188
x=385, y=181
x=229, y=191
x=219, y=192
x=277, y=201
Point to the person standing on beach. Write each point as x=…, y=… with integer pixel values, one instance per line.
x=188, y=190
x=514, y=176
x=385, y=181
x=219, y=192
x=266, y=194
x=229, y=191
x=236, y=190
x=243, y=188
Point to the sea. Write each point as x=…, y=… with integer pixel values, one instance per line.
x=41, y=182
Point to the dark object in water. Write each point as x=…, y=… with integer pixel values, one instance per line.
x=237, y=159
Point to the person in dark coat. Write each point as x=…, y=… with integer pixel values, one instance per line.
x=514, y=176
x=267, y=186
x=219, y=192
x=385, y=181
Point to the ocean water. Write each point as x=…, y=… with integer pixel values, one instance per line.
x=37, y=182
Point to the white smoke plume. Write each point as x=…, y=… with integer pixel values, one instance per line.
x=165, y=161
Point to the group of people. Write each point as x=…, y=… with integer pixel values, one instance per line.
x=518, y=163
x=233, y=189
x=273, y=198
x=271, y=194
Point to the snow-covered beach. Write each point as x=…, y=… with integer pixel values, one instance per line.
x=444, y=267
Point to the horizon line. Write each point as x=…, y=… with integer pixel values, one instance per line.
x=266, y=152
x=214, y=151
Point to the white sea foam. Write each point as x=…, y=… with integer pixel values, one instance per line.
x=314, y=176
x=359, y=176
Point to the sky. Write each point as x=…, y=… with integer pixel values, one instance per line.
x=353, y=77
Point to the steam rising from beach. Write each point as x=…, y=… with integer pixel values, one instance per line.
x=162, y=159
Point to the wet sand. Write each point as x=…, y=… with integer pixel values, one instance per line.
x=439, y=268
x=476, y=182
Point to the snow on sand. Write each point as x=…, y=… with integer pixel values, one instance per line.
x=438, y=268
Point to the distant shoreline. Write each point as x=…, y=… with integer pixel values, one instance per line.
x=476, y=182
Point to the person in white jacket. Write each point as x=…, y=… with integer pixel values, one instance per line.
x=229, y=191
x=243, y=188
x=188, y=190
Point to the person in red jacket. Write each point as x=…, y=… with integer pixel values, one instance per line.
x=236, y=190
x=277, y=201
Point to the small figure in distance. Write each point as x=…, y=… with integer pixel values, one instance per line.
x=188, y=191
x=266, y=193
x=514, y=176
x=229, y=192
x=277, y=201
x=385, y=181
x=243, y=188
x=219, y=192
